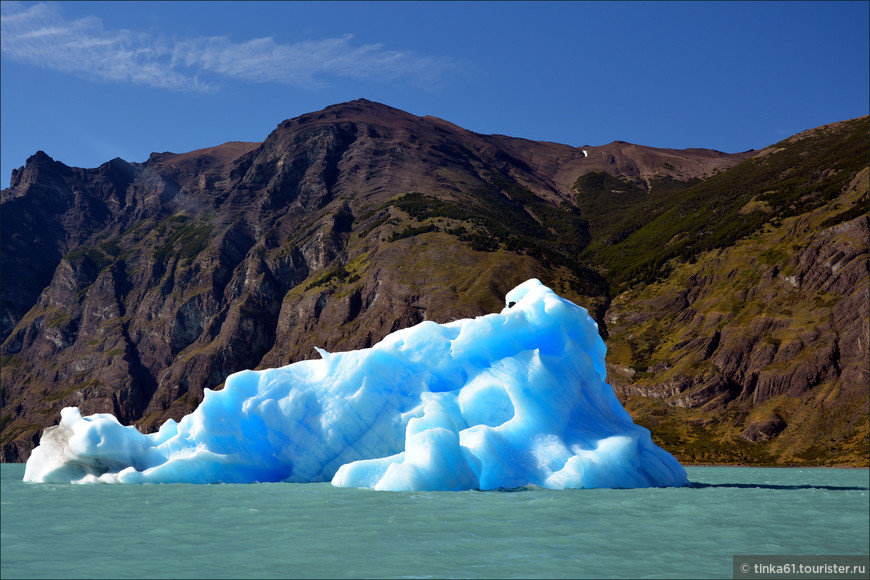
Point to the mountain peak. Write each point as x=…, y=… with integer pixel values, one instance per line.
x=34, y=164
x=358, y=110
x=39, y=157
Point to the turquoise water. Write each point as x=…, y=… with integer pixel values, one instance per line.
x=283, y=530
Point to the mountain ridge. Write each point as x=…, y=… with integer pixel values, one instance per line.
x=149, y=282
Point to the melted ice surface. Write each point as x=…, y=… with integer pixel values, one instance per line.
x=500, y=401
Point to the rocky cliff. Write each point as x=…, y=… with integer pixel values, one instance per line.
x=131, y=287
x=757, y=351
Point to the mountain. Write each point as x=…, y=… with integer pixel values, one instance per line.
x=131, y=287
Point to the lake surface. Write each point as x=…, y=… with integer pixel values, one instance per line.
x=284, y=530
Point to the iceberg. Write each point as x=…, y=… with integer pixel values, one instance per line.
x=506, y=400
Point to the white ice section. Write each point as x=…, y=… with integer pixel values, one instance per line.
x=499, y=401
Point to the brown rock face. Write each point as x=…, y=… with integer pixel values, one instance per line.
x=764, y=341
x=132, y=287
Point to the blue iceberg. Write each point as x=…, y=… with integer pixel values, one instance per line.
x=504, y=400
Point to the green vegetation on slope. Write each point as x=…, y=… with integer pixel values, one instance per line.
x=793, y=177
x=503, y=214
x=741, y=316
x=616, y=207
x=184, y=239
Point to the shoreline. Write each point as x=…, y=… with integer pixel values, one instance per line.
x=774, y=466
x=865, y=468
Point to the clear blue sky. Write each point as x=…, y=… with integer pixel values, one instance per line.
x=90, y=81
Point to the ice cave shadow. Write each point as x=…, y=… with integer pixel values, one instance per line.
x=699, y=485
